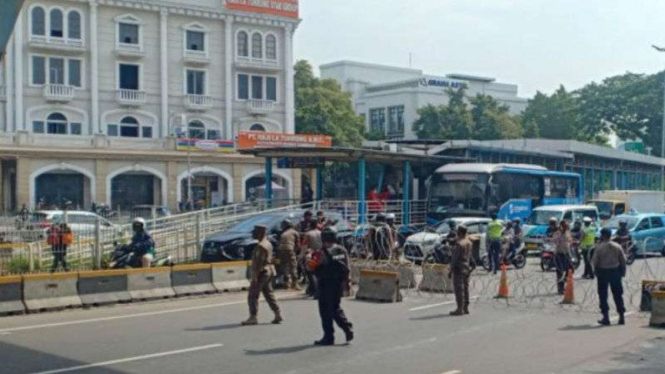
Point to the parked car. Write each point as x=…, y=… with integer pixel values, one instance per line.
x=418, y=246
x=82, y=223
x=536, y=226
x=237, y=244
x=647, y=231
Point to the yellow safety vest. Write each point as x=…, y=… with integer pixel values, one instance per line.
x=589, y=237
x=495, y=229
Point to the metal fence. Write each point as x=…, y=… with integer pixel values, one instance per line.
x=351, y=211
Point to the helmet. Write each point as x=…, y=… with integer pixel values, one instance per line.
x=380, y=217
x=286, y=224
x=623, y=223
x=517, y=220
x=452, y=224
x=329, y=235
x=390, y=216
x=553, y=220
x=138, y=224
x=587, y=220
x=606, y=233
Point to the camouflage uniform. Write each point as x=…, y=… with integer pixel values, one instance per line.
x=287, y=254
x=460, y=268
x=263, y=272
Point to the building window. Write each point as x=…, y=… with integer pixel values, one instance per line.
x=56, y=23
x=271, y=47
x=129, y=127
x=56, y=123
x=128, y=33
x=257, y=45
x=197, y=130
x=271, y=88
x=56, y=70
x=112, y=130
x=75, y=128
x=377, y=119
x=243, y=86
x=396, y=120
x=257, y=87
x=74, y=25
x=38, y=127
x=146, y=131
x=257, y=127
x=195, y=40
x=128, y=77
x=243, y=44
x=196, y=82
x=38, y=21
x=214, y=135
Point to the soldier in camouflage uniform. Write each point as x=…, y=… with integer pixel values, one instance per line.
x=263, y=272
x=460, y=271
x=288, y=242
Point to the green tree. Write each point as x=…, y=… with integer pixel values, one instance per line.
x=321, y=107
x=492, y=120
x=531, y=130
x=452, y=121
x=557, y=116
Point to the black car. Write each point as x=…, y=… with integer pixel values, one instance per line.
x=237, y=244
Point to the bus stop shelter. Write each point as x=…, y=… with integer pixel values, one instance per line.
x=319, y=156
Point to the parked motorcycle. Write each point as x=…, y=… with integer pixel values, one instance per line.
x=547, y=262
x=124, y=258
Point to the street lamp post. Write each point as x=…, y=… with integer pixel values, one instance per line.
x=662, y=139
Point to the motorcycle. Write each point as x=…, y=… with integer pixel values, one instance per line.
x=630, y=249
x=518, y=260
x=442, y=254
x=547, y=262
x=125, y=258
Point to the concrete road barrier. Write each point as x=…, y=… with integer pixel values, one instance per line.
x=407, y=275
x=50, y=291
x=355, y=268
x=435, y=279
x=380, y=286
x=148, y=284
x=192, y=279
x=231, y=276
x=648, y=287
x=657, y=309
x=11, y=298
x=103, y=287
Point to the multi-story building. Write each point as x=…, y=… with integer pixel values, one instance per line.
x=94, y=93
x=389, y=97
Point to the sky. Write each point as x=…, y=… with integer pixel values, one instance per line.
x=536, y=44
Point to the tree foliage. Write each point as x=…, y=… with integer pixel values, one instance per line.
x=321, y=107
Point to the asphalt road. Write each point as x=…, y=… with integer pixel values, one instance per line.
x=202, y=335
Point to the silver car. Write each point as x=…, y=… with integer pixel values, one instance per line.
x=418, y=246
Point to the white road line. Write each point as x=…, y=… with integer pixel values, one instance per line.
x=429, y=306
x=126, y=316
x=453, y=372
x=130, y=359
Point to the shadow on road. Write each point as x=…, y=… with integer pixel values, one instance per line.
x=282, y=350
x=431, y=317
x=586, y=327
x=229, y=326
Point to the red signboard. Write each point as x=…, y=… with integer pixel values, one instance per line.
x=257, y=139
x=284, y=8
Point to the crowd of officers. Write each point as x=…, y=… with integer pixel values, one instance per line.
x=313, y=243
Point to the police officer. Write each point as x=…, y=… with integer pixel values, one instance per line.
x=609, y=262
x=288, y=242
x=263, y=272
x=587, y=243
x=460, y=271
x=332, y=272
x=495, y=229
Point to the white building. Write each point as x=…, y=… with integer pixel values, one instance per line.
x=92, y=93
x=389, y=97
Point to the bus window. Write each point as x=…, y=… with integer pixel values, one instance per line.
x=563, y=187
x=517, y=186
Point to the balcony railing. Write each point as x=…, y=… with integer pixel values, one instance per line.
x=260, y=107
x=55, y=43
x=196, y=57
x=131, y=97
x=198, y=102
x=58, y=93
x=259, y=63
x=129, y=50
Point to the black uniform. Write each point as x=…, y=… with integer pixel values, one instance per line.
x=333, y=276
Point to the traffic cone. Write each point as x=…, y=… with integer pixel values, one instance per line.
x=569, y=294
x=504, y=293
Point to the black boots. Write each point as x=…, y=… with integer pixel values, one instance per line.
x=606, y=320
x=622, y=319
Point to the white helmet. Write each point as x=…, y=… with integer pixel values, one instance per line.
x=138, y=220
x=390, y=216
x=587, y=220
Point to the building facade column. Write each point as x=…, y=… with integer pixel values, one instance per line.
x=18, y=73
x=95, y=126
x=289, y=102
x=228, y=77
x=101, y=171
x=164, y=73
x=172, y=185
x=237, y=182
x=23, y=187
x=9, y=87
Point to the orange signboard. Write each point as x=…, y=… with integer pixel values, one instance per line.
x=257, y=139
x=284, y=8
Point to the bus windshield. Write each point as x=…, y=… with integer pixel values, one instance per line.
x=458, y=191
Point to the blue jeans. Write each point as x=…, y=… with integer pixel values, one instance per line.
x=495, y=254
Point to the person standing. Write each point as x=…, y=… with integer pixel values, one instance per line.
x=311, y=245
x=562, y=240
x=587, y=243
x=332, y=272
x=460, y=271
x=288, y=242
x=59, y=237
x=263, y=272
x=609, y=262
x=495, y=229
x=305, y=223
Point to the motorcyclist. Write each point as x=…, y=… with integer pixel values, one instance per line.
x=451, y=238
x=516, y=238
x=507, y=237
x=622, y=236
x=552, y=228
x=576, y=231
x=142, y=244
x=380, y=238
x=390, y=221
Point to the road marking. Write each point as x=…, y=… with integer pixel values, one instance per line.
x=126, y=316
x=452, y=372
x=433, y=305
x=131, y=359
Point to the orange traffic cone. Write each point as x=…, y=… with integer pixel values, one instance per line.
x=569, y=294
x=504, y=293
